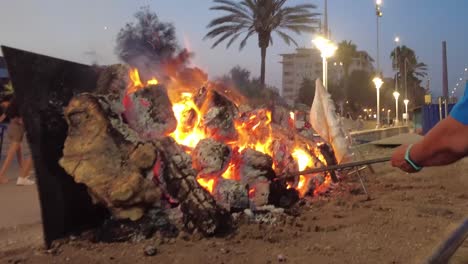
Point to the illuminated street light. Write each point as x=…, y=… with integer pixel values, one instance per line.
x=397, y=39
x=327, y=49
x=406, y=117
x=378, y=83
x=396, y=94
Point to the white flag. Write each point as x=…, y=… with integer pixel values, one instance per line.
x=325, y=122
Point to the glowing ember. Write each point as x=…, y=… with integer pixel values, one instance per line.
x=230, y=174
x=153, y=81
x=207, y=184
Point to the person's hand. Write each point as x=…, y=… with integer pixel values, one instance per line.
x=398, y=159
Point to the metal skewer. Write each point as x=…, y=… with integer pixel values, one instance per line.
x=336, y=167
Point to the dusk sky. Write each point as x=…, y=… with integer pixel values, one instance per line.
x=85, y=31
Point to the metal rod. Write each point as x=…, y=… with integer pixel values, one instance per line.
x=336, y=167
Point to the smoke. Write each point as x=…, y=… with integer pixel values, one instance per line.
x=151, y=46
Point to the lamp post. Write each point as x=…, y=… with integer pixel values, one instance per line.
x=378, y=83
x=379, y=14
x=396, y=94
x=406, y=101
x=388, y=116
x=327, y=49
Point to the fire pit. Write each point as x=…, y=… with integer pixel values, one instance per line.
x=135, y=147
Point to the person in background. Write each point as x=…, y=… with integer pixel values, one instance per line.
x=444, y=144
x=15, y=133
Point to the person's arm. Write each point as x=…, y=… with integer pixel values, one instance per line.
x=2, y=117
x=446, y=143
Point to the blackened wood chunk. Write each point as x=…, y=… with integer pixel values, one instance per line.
x=113, y=82
x=231, y=194
x=254, y=165
x=211, y=157
x=219, y=123
x=259, y=191
x=329, y=156
x=218, y=114
x=281, y=196
x=199, y=207
x=148, y=111
x=282, y=158
x=101, y=152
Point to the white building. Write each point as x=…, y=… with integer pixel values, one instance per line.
x=307, y=63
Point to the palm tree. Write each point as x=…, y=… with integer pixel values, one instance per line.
x=409, y=68
x=261, y=17
x=345, y=54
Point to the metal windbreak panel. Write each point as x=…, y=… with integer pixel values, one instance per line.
x=43, y=87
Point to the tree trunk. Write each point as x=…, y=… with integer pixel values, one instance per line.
x=263, y=41
x=262, y=69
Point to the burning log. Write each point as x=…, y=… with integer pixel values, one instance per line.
x=101, y=152
x=148, y=111
x=255, y=171
x=219, y=114
x=254, y=165
x=199, y=207
x=210, y=158
x=112, y=83
x=231, y=195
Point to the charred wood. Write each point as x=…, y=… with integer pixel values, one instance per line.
x=199, y=207
x=231, y=194
x=112, y=83
x=211, y=157
x=148, y=111
x=101, y=152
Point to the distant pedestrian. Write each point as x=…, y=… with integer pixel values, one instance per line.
x=15, y=133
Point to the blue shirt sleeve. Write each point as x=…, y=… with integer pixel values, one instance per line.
x=460, y=110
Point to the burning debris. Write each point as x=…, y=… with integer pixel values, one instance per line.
x=136, y=148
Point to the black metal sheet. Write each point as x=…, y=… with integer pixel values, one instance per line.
x=43, y=86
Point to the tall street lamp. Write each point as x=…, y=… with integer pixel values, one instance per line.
x=396, y=94
x=378, y=83
x=327, y=49
x=379, y=14
x=406, y=101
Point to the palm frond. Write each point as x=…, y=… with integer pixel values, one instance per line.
x=286, y=38
x=244, y=41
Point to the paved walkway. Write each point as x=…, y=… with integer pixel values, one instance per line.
x=18, y=204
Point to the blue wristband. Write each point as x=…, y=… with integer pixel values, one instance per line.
x=408, y=159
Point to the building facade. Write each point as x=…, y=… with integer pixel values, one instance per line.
x=307, y=63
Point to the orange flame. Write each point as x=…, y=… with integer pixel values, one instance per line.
x=188, y=137
x=254, y=132
x=136, y=83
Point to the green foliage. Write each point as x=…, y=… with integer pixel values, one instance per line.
x=261, y=17
x=404, y=60
x=306, y=92
x=345, y=53
x=240, y=80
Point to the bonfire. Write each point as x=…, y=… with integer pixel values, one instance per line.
x=138, y=146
